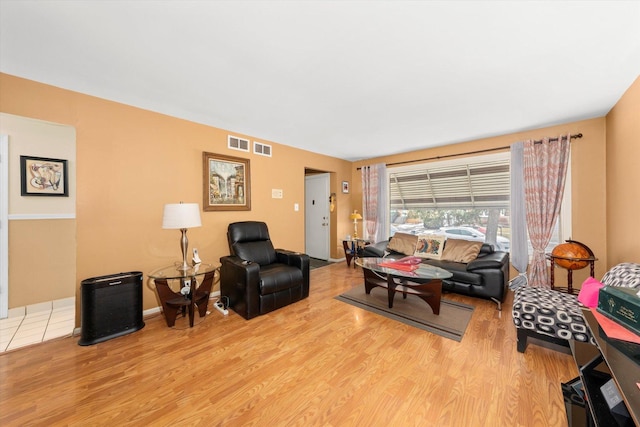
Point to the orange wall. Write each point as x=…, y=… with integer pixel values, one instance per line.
x=588, y=181
x=623, y=178
x=130, y=162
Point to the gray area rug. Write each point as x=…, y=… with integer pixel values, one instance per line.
x=451, y=323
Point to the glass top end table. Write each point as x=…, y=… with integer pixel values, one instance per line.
x=189, y=295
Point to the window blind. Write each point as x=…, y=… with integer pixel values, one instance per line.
x=470, y=185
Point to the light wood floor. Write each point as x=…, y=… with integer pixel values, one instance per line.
x=316, y=362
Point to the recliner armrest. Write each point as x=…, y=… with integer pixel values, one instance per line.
x=239, y=281
x=240, y=267
x=295, y=259
x=493, y=260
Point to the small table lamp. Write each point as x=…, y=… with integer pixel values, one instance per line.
x=355, y=216
x=182, y=216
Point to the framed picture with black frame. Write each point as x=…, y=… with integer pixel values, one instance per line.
x=45, y=177
x=345, y=186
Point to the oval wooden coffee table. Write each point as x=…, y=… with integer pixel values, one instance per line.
x=424, y=282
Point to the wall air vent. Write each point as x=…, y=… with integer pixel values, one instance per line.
x=236, y=143
x=262, y=149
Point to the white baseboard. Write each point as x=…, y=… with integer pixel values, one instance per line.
x=151, y=311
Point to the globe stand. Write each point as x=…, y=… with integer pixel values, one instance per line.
x=562, y=256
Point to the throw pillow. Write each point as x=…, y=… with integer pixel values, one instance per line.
x=430, y=246
x=589, y=292
x=458, y=250
x=403, y=243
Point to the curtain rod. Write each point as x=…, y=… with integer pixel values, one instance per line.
x=538, y=141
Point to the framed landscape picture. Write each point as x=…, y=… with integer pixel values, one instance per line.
x=41, y=176
x=226, y=183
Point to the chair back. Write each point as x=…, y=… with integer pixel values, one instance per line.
x=250, y=241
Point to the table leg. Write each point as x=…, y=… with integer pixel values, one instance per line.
x=191, y=311
x=570, y=281
x=391, y=289
x=371, y=280
x=193, y=284
x=354, y=250
x=348, y=254
x=170, y=311
x=433, y=296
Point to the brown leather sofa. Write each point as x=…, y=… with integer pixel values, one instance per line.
x=487, y=276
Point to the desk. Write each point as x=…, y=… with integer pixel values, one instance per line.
x=613, y=359
x=352, y=248
x=195, y=296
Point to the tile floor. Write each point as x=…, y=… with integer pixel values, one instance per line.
x=36, y=323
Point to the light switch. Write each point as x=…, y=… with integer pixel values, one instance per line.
x=296, y=207
x=276, y=193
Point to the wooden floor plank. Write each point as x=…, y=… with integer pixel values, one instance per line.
x=316, y=362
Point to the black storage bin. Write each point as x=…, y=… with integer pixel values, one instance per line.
x=111, y=307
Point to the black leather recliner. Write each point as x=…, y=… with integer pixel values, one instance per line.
x=256, y=277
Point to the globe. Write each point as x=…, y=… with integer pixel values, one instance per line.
x=574, y=250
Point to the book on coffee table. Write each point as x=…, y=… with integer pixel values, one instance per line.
x=409, y=263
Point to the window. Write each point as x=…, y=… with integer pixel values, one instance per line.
x=466, y=198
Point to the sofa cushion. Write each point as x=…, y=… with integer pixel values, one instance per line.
x=495, y=260
x=376, y=250
x=430, y=246
x=278, y=277
x=458, y=269
x=458, y=250
x=403, y=243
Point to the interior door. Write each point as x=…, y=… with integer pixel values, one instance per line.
x=316, y=204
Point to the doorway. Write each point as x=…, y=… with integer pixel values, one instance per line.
x=317, y=219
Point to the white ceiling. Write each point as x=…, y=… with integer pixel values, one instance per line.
x=350, y=79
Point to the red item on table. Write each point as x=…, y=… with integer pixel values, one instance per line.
x=409, y=263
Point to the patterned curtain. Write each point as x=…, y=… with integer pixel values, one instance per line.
x=545, y=170
x=374, y=196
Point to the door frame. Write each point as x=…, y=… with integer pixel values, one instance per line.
x=4, y=226
x=326, y=177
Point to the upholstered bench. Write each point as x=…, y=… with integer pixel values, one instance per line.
x=556, y=316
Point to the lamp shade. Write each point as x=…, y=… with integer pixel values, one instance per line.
x=355, y=216
x=181, y=215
